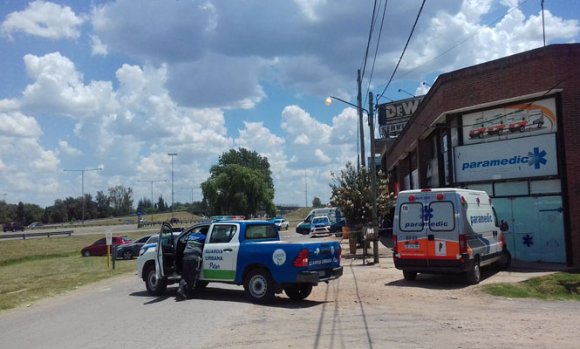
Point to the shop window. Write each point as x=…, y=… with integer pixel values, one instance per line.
x=486, y=187
x=545, y=187
x=511, y=188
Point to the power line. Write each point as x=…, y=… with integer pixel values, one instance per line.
x=404, y=49
x=458, y=43
x=377, y=48
x=364, y=62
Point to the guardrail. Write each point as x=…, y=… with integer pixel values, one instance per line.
x=27, y=235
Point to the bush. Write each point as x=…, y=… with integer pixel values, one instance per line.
x=352, y=193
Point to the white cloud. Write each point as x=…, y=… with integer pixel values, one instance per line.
x=98, y=47
x=44, y=19
x=17, y=125
x=68, y=149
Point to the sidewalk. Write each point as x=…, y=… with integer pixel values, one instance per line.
x=385, y=244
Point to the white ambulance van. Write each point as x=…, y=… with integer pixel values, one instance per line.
x=447, y=230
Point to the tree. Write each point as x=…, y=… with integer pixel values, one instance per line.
x=161, y=206
x=121, y=200
x=241, y=183
x=352, y=193
x=103, y=205
x=316, y=202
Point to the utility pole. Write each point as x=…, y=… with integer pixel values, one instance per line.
x=305, y=189
x=373, y=169
x=172, y=190
x=82, y=171
x=360, y=120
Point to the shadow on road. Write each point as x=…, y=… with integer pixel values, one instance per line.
x=227, y=295
x=440, y=281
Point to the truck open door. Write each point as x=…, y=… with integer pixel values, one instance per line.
x=165, y=251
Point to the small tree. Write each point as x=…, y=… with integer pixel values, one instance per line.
x=352, y=193
x=316, y=202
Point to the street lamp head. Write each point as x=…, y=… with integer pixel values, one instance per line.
x=328, y=101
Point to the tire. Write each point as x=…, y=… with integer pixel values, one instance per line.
x=127, y=255
x=87, y=253
x=154, y=286
x=523, y=129
x=201, y=285
x=259, y=286
x=410, y=275
x=473, y=276
x=298, y=292
x=505, y=260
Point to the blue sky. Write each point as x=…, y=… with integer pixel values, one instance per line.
x=120, y=84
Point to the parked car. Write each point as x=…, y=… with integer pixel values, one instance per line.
x=128, y=251
x=281, y=223
x=334, y=214
x=13, y=226
x=99, y=247
x=320, y=226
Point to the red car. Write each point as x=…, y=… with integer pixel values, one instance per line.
x=99, y=247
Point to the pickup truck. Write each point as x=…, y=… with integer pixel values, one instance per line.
x=244, y=252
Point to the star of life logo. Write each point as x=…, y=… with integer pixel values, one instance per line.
x=536, y=158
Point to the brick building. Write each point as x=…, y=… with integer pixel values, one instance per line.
x=510, y=127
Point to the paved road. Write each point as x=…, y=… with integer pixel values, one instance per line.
x=371, y=306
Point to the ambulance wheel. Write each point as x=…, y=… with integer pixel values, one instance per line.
x=155, y=287
x=410, y=275
x=474, y=274
x=259, y=286
x=298, y=292
x=505, y=260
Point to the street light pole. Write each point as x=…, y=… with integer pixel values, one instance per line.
x=373, y=169
x=82, y=171
x=172, y=190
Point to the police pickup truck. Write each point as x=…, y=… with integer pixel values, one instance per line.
x=244, y=252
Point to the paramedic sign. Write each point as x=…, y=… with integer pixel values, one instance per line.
x=516, y=158
x=394, y=116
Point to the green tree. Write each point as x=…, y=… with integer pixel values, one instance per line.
x=103, y=205
x=121, y=200
x=241, y=183
x=316, y=202
x=352, y=193
x=161, y=205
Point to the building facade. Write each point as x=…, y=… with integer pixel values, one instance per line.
x=510, y=127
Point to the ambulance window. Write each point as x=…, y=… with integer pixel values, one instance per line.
x=411, y=216
x=441, y=217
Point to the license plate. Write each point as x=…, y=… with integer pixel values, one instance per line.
x=412, y=246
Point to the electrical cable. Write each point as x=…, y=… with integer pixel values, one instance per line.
x=372, y=27
x=404, y=49
x=377, y=48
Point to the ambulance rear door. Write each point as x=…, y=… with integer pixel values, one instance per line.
x=442, y=231
x=411, y=233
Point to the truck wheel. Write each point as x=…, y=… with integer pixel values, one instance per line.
x=298, y=292
x=201, y=285
x=86, y=254
x=505, y=260
x=155, y=287
x=259, y=286
x=127, y=255
x=410, y=275
x=473, y=276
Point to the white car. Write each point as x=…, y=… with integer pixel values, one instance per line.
x=320, y=225
x=281, y=223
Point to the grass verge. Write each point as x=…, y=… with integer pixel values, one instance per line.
x=33, y=269
x=557, y=286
